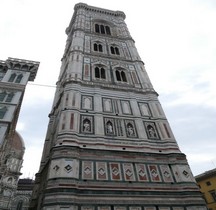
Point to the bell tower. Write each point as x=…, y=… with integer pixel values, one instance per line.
x=109, y=145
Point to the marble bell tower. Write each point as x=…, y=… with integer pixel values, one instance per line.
x=109, y=145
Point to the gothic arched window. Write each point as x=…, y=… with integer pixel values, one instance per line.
x=12, y=77
x=19, y=78
x=97, y=28
x=102, y=29
x=9, y=97
x=121, y=76
x=98, y=47
x=15, y=78
x=108, y=30
x=114, y=50
x=100, y=73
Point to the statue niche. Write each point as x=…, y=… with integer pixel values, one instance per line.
x=86, y=126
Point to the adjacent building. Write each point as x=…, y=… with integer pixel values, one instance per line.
x=21, y=198
x=14, y=75
x=207, y=184
x=109, y=145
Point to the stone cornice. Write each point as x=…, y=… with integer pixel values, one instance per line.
x=93, y=9
x=23, y=65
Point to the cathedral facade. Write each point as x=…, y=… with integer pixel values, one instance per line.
x=14, y=75
x=109, y=145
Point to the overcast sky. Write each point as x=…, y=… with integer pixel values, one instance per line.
x=175, y=38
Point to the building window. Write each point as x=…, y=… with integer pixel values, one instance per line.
x=101, y=29
x=100, y=73
x=3, y=95
x=114, y=50
x=3, y=111
x=19, y=78
x=12, y=77
x=9, y=97
x=19, y=205
x=208, y=183
x=98, y=47
x=15, y=78
x=121, y=76
x=213, y=194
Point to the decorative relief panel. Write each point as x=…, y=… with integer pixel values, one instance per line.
x=130, y=128
x=128, y=172
x=87, y=170
x=141, y=172
x=109, y=125
x=107, y=105
x=87, y=124
x=64, y=168
x=126, y=108
x=101, y=171
x=115, y=171
x=154, y=173
x=87, y=102
x=182, y=173
x=166, y=173
x=151, y=130
x=144, y=109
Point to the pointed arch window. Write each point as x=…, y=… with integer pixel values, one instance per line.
x=121, y=76
x=114, y=50
x=98, y=47
x=12, y=77
x=9, y=97
x=108, y=30
x=15, y=78
x=100, y=73
x=19, y=78
x=97, y=28
x=102, y=29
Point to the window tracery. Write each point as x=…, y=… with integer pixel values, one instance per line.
x=120, y=75
x=102, y=29
x=114, y=50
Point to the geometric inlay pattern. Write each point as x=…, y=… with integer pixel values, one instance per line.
x=87, y=170
x=101, y=168
x=166, y=173
x=141, y=172
x=128, y=172
x=68, y=168
x=154, y=174
x=56, y=167
x=115, y=171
